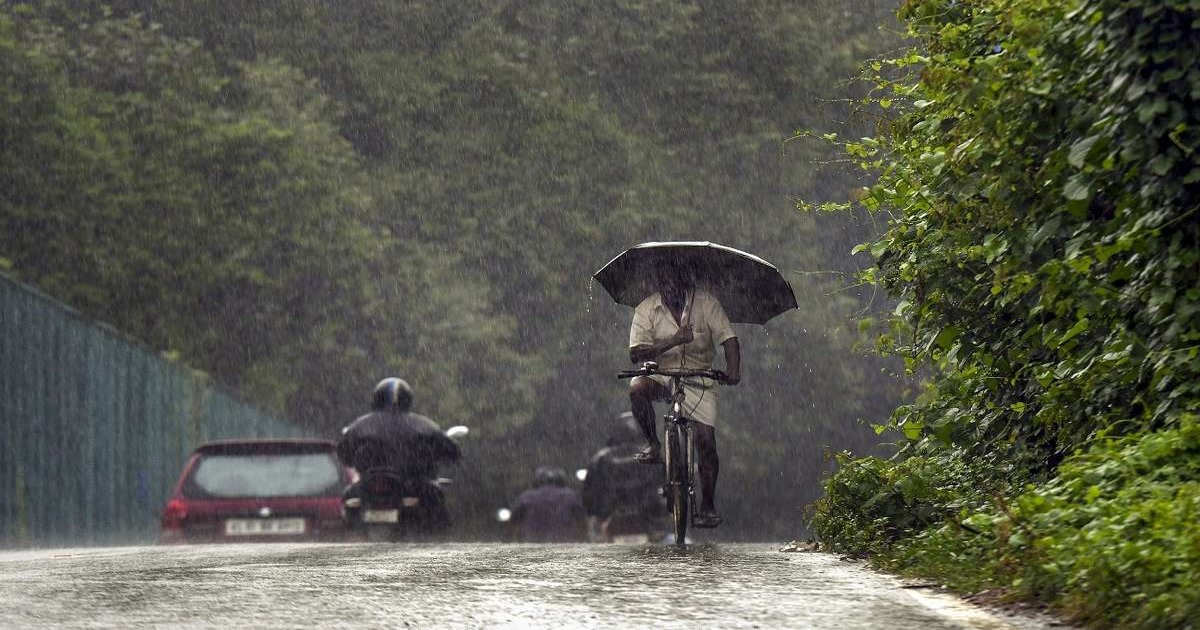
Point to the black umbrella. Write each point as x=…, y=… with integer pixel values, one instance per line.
x=751, y=289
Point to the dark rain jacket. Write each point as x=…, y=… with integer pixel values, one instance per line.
x=406, y=442
x=616, y=482
x=549, y=513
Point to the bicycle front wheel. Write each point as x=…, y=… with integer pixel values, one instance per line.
x=677, y=481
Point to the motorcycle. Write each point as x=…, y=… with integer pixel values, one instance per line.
x=387, y=505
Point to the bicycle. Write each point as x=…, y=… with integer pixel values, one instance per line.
x=679, y=445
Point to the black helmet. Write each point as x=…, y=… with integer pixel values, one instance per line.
x=549, y=476
x=393, y=394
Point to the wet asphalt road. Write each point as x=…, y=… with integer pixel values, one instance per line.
x=463, y=585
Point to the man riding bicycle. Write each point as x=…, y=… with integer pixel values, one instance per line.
x=679, y=327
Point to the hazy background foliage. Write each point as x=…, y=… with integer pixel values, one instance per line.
x=302, y=198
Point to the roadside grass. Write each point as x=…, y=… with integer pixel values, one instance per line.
x=1112, y=541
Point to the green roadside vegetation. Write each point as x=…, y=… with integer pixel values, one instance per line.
x=1039, y=170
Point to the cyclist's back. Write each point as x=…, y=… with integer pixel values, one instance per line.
x=616, y=481
x=550, y=511
x=621, y=495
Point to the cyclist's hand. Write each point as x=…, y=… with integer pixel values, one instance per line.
x=684, y=335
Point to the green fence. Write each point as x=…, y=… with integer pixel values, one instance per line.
x=94, y=427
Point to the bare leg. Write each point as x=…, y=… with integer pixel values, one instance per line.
x=709, y=464
x=642, y=394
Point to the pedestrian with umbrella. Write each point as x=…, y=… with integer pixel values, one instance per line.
x=686, y=294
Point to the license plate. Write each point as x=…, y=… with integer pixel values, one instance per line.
x=381, y=516
x=263, y=526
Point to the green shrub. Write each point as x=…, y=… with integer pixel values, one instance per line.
x=1039, y=174
x=870, y=503
x=1113, y=540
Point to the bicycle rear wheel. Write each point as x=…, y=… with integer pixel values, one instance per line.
x=677, y=481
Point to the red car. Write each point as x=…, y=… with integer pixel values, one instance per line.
x=258, y=490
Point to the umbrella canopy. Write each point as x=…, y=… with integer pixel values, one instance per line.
x=751, y=289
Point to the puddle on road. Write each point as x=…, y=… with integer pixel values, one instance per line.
x=468, y=585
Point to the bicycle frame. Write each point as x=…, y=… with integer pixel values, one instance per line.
x=679, y=446
x=681, y=466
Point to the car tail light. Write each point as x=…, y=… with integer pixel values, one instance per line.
x=174, y=514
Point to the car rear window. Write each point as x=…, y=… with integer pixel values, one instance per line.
x=275, y=475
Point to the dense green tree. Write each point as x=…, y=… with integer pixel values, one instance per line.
x=1042, y=240
x=213, y=216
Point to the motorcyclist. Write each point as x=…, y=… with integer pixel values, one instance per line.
x=621, y=496
x=394, y=439
x=549, y=511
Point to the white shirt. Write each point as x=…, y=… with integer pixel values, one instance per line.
x=653, y=323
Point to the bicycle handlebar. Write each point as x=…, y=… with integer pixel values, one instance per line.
x=716, y=375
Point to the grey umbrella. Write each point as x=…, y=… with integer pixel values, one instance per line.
x=751, y=289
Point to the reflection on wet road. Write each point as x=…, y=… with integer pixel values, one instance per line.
x=460, y=585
